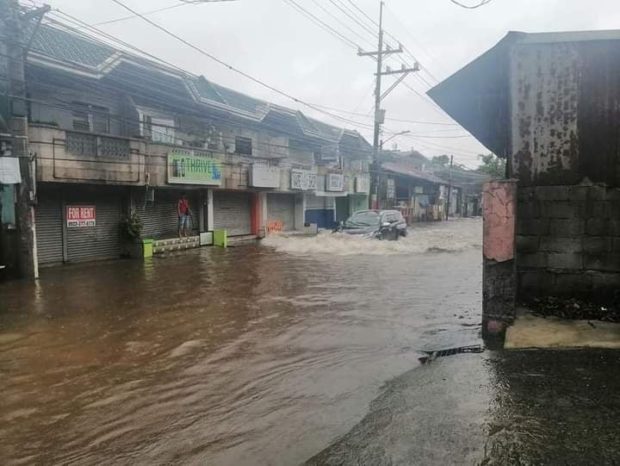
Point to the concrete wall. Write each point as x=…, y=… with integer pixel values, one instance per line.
x=568, y=241
x=56, y=164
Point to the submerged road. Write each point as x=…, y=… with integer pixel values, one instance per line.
x=270, y=354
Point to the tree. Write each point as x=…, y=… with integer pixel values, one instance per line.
x=441, y=160
x=492, y=165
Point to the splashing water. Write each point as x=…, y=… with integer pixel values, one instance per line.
x=434, y=237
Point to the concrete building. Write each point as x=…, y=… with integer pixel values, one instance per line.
x=112, y=133
x=419, y=195
x=550, y=104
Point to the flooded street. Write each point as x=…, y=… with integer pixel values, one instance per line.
x=261, y=354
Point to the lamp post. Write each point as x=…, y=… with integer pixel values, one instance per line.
x=392, y=137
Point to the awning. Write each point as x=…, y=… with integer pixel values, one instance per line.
x=9, y=170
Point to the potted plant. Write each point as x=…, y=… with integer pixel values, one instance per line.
x=131, y=235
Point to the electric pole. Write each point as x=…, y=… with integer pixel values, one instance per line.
x=19, y=27
x=449, y=188
x=380, y=113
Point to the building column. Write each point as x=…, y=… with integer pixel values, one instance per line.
x=210, y=225
x=300, y=211
x=499, y=281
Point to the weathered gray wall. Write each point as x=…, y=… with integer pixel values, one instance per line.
x=566, y=154
x=568, y=241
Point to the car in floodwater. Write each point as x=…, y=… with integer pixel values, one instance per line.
x=379, y=224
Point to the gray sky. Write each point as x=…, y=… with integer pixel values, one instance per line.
x=272, y=41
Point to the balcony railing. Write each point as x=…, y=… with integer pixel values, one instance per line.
x=91, y=145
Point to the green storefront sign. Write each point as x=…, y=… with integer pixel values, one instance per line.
x=191, y=167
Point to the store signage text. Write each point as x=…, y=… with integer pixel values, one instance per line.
x=362, y=184
x=264, y=176
x=335, y=182
x=303, y=180
x=188, y=167
x=81, y=216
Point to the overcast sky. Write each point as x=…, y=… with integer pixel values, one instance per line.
x=272, y=41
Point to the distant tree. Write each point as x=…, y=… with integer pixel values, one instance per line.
x=492, y=165
x=441, y=160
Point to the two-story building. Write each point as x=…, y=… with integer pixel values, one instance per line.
x=113, y=133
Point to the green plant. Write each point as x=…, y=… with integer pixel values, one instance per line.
x=131, y=227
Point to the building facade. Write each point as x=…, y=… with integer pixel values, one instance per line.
x=112, y=134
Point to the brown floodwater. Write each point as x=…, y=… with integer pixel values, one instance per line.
x=260, y=354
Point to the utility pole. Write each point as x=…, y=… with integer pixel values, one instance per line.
x=449, y=187
x=379, y=113
x=15, y=44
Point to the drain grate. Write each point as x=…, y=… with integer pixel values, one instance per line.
x=432, y=355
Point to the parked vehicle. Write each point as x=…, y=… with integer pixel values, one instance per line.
x=379, y=224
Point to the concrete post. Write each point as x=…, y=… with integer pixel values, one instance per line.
x=499, y=271
x=209, y=205
x=18, y=128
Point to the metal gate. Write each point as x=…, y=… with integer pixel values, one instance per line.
x=281, y=211
x=160, y=216
x=101, y=241
x=48, y=217
x=232, y=211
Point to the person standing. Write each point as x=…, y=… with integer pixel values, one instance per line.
x=184, y=213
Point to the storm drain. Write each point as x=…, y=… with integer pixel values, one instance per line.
x=432, y=355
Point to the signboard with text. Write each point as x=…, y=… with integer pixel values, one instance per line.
x=81, y=216
x=191, y=167
x=303, y=180
x=264, y=176
x=335, y=182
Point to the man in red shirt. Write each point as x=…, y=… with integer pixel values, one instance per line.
x=184, y=215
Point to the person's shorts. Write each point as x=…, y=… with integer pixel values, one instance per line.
x=184, y=221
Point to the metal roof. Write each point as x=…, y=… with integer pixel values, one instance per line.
x=406, y=169
x=79, y=53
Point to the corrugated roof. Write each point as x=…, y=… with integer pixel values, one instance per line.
x=406, y=169
x=69, y=47
x=76, y=51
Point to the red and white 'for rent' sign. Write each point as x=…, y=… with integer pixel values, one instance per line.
x=79, y=216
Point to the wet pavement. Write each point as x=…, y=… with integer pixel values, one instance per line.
x=538, y=407
x=263, y=354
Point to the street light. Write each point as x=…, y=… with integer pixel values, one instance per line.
x=392, y=137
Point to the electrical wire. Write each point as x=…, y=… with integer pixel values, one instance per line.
x=110, y=37
x=322, y=24
x=471, y=7
x=146, y=13
x=223, y=63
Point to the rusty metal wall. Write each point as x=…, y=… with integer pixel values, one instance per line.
x=566, y=112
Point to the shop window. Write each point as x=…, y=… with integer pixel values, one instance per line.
x=243, y=145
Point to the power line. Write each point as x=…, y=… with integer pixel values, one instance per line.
x=471, y=7
x=322, y=24
x=110, y=37
x=223, y=63
x=340, y=21
x=146, y=13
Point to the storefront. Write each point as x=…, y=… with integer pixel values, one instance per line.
x=78, y=223
x=280, y=212
x=321, y=210
x=157, y=208
x=232, y=211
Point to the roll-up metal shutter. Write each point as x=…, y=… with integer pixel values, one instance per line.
x=281, y=208
x=320, y=202
x=160, y=217
x=101, y=241
x=232, y=211
x=48, y=217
